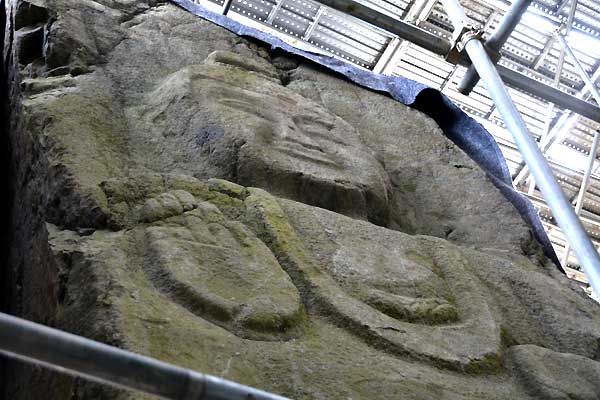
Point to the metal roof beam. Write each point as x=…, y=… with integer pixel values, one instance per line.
x=549, y=93
x=403, y=29
x=441, y=47
x=564, y=124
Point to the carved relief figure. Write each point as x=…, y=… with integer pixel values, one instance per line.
x=253, y=217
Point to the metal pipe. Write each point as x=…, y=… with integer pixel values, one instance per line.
x=86, y=358
x=585, y=183
x=549, y=93
x=588, y=82
x=496, y=41
x=559, y=204
x=564, y=124
x=557, y=74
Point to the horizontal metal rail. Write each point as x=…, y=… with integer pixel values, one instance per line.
x=404, y=30
x=549, y=93
x=98, y=362
x=441, y=46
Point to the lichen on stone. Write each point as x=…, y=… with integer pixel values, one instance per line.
x=191, y=195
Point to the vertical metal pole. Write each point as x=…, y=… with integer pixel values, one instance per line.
x=559, y=68
x=555, y=198
x=496, y=41
x=226, y=6
x=588, y=173
x=585, y=183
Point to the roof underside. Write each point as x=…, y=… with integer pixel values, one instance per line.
x=531, y=50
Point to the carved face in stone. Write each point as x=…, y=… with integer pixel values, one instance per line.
x=246, y=127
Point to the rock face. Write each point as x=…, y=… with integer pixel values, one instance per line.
x=185, y=193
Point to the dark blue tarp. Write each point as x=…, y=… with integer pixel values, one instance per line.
x=463, y=130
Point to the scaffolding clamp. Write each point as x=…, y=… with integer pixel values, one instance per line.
x=461, y=36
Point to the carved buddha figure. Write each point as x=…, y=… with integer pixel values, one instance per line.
x=296, y=148
x=294, y=265
x=244, y=126
x=253, y=217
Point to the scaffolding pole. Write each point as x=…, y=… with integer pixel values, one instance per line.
x=549, y=93
x=496, y=41
x=555, y=198
x=588, y=173
x=582, y=73
x=75, y=355
x=557, y=74
x=585, y=183
x=404, y=30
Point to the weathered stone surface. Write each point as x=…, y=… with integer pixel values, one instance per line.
x=184, y=193
x=554, y=376
x=237, y=122
x=436, y=189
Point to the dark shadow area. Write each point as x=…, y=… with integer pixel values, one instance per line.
x=5, y=203
x=4, y=156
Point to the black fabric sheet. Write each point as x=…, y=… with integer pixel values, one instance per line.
x=463, y=130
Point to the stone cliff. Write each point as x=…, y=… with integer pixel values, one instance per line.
x=185, y=193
